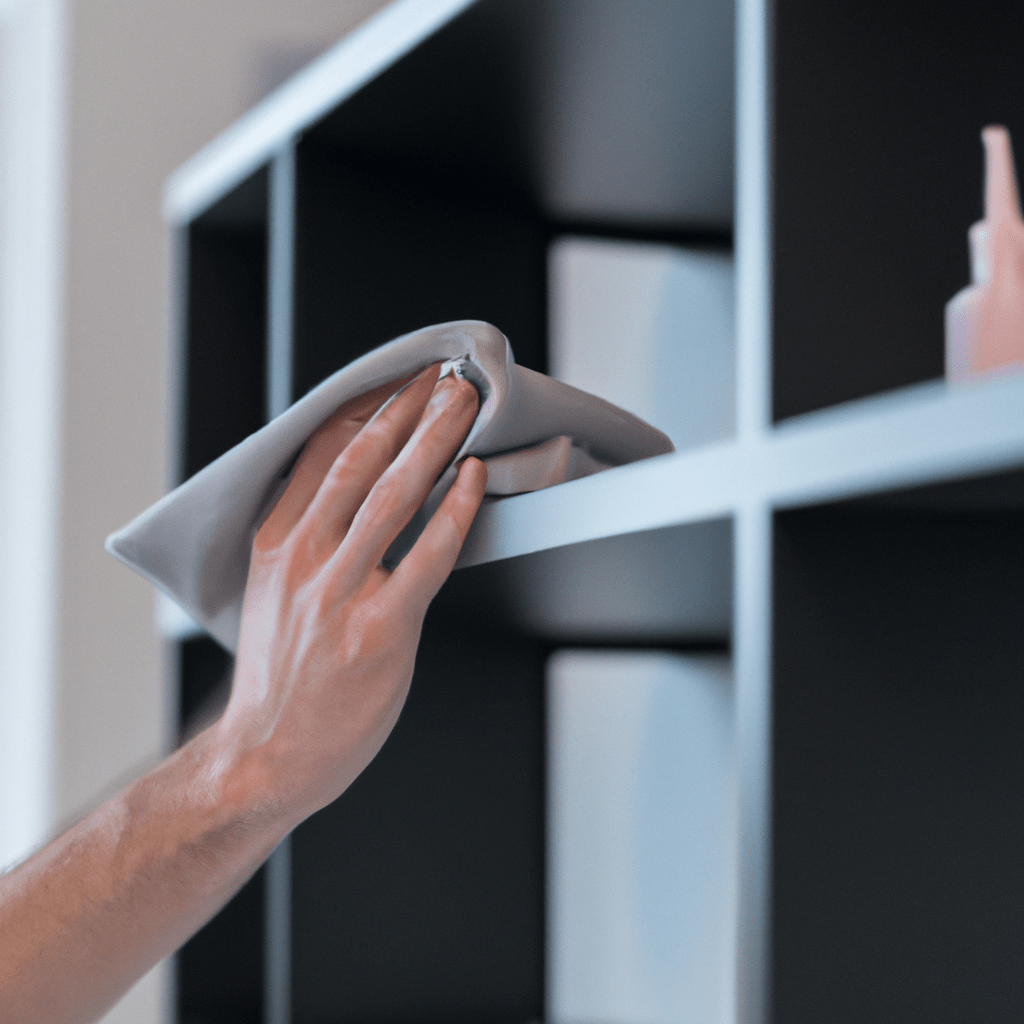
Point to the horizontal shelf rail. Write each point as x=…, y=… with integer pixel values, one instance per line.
x=926, y=434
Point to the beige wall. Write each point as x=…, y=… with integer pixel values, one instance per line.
x=143, y=86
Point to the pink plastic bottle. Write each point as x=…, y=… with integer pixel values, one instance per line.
x=985, y=321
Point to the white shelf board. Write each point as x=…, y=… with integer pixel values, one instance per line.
x=929, y=433
x=665, y=491
x=258, y=135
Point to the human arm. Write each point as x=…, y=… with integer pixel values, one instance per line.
x=325, y=658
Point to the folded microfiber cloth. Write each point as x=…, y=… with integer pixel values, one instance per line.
x=531, y=430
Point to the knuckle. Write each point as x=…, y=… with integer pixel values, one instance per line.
x=450, y=530
x=321, y=609
x=358, y=637
x=389, y=494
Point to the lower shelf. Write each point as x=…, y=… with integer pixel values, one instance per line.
x=897, y=758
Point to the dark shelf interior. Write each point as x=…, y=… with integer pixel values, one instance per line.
x=985, y=492
x=668, y=588
x=878, y=111
x=418, y=894
x=380, y=252
x=219, y=971
x=225, y=301
x=898, y=714
x=588, y=110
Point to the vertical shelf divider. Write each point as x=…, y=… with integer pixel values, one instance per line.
x=280, y=281
x=753, y=523
x=752, y=654
x=280, y=290
x=753, y=226
x=278, y=937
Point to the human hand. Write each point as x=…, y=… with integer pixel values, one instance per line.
x=325, y=658
x=328, y=637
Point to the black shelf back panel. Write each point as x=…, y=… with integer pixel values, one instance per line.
x=668, y=588
x=219, y=971
x=898, y=832
x=224, y=349
x=380, y=252
x=878, y=109
x=592, y=111
x=418, y=895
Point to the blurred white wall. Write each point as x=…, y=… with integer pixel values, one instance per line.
x=32, y=87
x=99, y=101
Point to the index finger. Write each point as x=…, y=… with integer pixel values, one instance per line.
x=405, y=484
x=320, y=452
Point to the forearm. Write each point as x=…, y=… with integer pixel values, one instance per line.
x=92, y=912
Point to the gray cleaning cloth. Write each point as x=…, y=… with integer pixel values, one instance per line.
x=531, y=430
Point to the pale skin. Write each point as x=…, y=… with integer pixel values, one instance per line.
x=324, y=664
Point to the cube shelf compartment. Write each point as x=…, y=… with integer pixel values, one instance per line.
x=839, y=529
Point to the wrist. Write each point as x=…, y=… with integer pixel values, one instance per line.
x=237, y=785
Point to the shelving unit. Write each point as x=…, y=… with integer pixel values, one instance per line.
x=854, y=548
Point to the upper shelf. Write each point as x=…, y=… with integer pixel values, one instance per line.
x=597, y=111
x=927, y=434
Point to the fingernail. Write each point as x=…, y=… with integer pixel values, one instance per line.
x=462, y=392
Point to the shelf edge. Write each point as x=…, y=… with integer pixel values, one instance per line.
x=669, y=490
x=930, y=433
